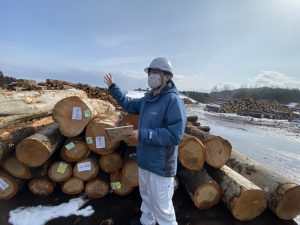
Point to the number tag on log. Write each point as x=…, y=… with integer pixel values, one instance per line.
x=100, y=142
x=76, y=113
x=70, y=145
x=3, y=185
x=84, y=166
x=116, y=185
x=87, y=113
x=89, y=140
x=62, y=167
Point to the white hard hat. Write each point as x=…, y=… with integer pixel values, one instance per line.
x=160, y=63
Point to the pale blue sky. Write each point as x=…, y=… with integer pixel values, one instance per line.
x=216, y=42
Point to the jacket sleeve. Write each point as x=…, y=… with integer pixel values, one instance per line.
x=132, y=106
x=171, y=134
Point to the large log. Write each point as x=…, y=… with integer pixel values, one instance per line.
x=118, y=187
x=130, y=172
x=37, y=148
x=41, y=186
x=191, y=153
x=4, y=151
x=75, y=150
x=218, y=150
x=74, y=113
x=111, y=163
x=97, y=188
x=86, y=169
x=6, y=121
x=60, y=171
x=9, y=186
x=12, y=135
x=72, y=186
x=33, y=102
x=244, y=199
x=283, y=194
x=96, y=137
x=202, y=189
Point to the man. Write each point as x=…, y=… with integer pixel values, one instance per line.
x=161, y=127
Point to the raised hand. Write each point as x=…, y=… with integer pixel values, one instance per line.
x=108, y=80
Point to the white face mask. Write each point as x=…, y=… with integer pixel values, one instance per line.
x=154, y=81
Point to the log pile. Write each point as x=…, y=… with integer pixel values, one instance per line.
x=251, y=107
x=73, y=153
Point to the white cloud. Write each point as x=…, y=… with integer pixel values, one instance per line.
x=269, y=78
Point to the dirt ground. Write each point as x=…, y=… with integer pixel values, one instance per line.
x=115, y=210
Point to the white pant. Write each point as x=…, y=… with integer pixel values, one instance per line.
x=156, y=192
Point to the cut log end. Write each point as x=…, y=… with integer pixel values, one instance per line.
x=86, y=169
x=60, y=171
x=207, y=195
x=110, y=163
x=42, y=187
x=9, y=187
x=32, y=152
x=130, y=173
x=72, y=186
x=289, y=206
x=15, y=168
x=96, y=188
x=122, y=189
x=250, y=204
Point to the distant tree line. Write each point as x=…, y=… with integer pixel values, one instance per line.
x=5, y=80
x=198, y=96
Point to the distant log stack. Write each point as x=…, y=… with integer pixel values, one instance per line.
x=24, y=85
x=243, y=198
x=78, y=112
x=251, y=107
x=283, y=194
x=36, y=149
x=202, y=189
x=218, y=150
x=191, y=153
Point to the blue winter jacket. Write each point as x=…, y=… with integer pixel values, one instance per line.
x=161, y=127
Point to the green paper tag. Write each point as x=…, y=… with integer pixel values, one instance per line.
x=62, y=167
x=89, y=140
x=87, y=113
x=70, y=145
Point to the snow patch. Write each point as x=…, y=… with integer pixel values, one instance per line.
x=39, y=215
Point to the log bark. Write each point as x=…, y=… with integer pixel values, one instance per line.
x=36, y=149
x=12, y=135
x=130, y=172
x=9, y=186
x=41, y=186
x=73, y=113
x=111, y=163
x=244, y=199
x=202, y=189
x=75, y=150
x=60, y=171
x=6, y=121
x=4, y=151
x=97, y=188
x=86, y=169
x=33, y=102
x=218, y=150
x=72, y=186
x=283, y=194
x=191, y=153
x=96, y=137
x=118, y=187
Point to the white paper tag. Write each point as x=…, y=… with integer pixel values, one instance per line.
x=116, y=185
x=76, y=113
x=70, y=145
x=89, y=140
x=87, y=113
x=100, y=142
x=3, y=185
x=84, y=166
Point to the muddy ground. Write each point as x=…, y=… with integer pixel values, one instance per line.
x=115, y=210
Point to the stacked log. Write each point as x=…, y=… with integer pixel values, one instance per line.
x=283, y=194
x=252, y=107
x=24, y=85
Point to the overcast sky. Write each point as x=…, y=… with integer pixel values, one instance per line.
x=214, y=42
